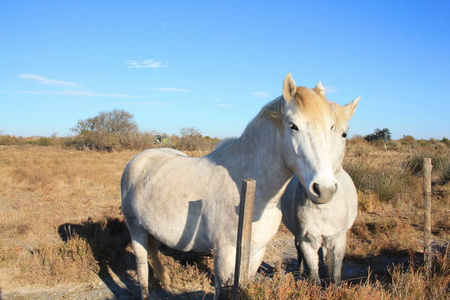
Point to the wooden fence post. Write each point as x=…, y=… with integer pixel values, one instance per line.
x=427, y=207
x=244, y=235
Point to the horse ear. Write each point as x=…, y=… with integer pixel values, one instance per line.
x=351, y=107
x=289, y=88
x=319, y=88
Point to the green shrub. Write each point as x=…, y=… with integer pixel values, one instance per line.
x=360, y=173
x=440, y=163
x=446, y=141
x=442, y=168
x=390, y=182
x=43, y=142
x=387, y=183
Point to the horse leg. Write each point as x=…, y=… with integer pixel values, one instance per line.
x=309, y=249
x=324, y=256
x=224, y=263
x=255, y=262
x=338, y=257
x=139, y=242
x=301, y=260
x=329, y=262
x=155, y=262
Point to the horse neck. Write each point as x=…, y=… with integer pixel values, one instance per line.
x=257, y=154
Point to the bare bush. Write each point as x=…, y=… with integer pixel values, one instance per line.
x=192, y=140
x=138, y=140
x=104, y=131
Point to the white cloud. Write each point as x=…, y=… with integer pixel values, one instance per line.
x=147, y=63
x=47, y=81
x=176, y=90
x=330, y=89
x=260, y=94
x=93, y=94
x=72, y=93
x=145, y=103
x=216, y=99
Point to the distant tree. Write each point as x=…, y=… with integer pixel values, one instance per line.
x=104, y=131
x=115, y=121
x=378, y=134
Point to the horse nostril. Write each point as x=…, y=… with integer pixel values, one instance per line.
x=316, y=189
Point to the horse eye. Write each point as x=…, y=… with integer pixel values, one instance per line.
x=344, y=135
x=293, y=126
x=332, y=127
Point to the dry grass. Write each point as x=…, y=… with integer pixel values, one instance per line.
x=42, y=189
x=60, y=223
x=188, y=276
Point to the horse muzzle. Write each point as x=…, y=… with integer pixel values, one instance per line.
x=322, y=193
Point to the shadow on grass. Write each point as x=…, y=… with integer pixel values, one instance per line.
x=109, y=241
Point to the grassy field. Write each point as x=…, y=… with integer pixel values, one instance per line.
x=61, y=225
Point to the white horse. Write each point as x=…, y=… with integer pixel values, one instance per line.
x=193, y=203
x=318, y=224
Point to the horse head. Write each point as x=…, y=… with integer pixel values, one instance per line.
x=314, y=132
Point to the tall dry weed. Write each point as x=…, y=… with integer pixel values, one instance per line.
x=284, y=286
x=421, y=283
x=406, y=283
x=187, y=277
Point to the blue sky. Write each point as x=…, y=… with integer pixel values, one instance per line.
x=213, y=64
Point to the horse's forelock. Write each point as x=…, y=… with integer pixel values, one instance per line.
x=313, y=106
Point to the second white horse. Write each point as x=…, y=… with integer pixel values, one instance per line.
x=318, y=224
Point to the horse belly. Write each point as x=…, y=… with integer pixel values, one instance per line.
x=176, y=199
x=176, y=219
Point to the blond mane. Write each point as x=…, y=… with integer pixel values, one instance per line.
x=313, y=106
x=274, y=111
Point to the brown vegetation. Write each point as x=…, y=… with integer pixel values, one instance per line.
x=60, y=223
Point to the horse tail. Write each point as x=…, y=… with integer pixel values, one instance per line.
x=155, y=262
